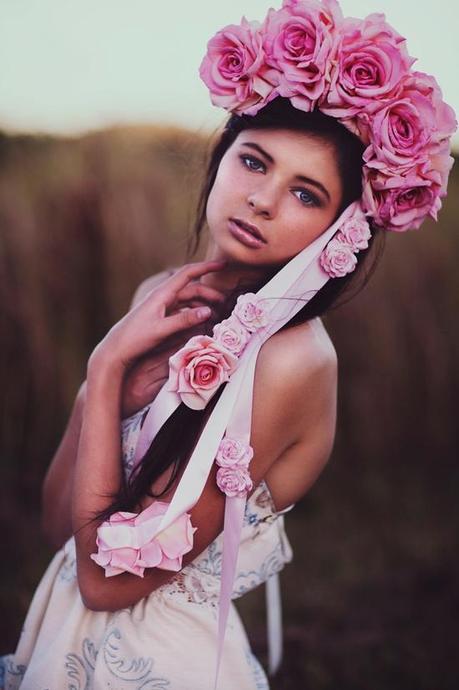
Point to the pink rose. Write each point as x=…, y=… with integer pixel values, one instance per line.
x=234, y=69
x=400, y=132
x=234, y=481
x=402, y=202
x=356, y=232
x=410, y=127
x=232, y=452
x=419, y=84
x=337, y=258
x=250, y=312
x=232, y=334
x=198, y=369
x=442, y=162
x=299, y=41
x=126, y=544
x=116, y=551
x=371, y=61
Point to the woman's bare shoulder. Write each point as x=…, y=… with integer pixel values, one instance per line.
x=294, y=410
x=300, y=349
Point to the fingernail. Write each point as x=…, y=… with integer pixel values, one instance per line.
x=203, y=312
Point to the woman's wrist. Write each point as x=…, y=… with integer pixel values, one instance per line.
x=102, y=367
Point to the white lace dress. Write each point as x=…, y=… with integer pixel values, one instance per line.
x=167, y=641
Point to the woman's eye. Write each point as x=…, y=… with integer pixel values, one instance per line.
x=247, y=160
x=308, y=199
x=255, y=164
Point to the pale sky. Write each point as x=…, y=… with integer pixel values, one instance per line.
x=67, y=66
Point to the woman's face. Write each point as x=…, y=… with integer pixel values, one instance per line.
x=258, y=183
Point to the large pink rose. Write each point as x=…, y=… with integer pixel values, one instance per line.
x=232, y=334
x=126, y=543
x=402, y=202
x=234, y=481
x=371, y=62
x=299, y=41
x=441, y=161
x=338, y=258
x=410, y=127
x=234, y=69
x=198, y=369
x=233, y=452
x=419, y=84
x=400, y=132
x=251, y=311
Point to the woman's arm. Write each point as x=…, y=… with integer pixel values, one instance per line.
x=98, y=468
x=292, y=426
x=57, y=486
x=58, y=482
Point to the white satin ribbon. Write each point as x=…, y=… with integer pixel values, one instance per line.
x=298, y=280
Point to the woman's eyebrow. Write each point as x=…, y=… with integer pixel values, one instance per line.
x=302, y=178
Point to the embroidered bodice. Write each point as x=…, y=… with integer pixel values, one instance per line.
x=264, y=547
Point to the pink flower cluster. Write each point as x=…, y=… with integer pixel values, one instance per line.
x=338, y=257
x=357, y=70
x=233, y=458
x=199, y=368
x=125, y=542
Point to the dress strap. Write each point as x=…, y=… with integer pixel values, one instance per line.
x=274, y=622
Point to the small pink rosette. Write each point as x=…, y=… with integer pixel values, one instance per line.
x=234, y=481
x=356, y=232
x=233, y=458
x=232, y=334
x=338, y=258
x=251, y=311
x=233, y=452
x=126, y=544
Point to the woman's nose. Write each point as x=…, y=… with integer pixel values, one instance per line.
x=262, y=204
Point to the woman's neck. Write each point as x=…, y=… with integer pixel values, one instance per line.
x=234, y=274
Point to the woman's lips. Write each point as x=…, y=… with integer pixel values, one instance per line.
x=245, y=236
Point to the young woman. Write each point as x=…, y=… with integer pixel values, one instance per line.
x=134, y=594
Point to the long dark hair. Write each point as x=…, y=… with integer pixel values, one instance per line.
x=175, y=441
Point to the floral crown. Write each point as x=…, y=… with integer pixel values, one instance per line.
x=357, y=70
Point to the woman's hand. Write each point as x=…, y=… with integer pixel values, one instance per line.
x=155, y=321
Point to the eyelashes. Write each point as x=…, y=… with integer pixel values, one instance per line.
x=247, y=160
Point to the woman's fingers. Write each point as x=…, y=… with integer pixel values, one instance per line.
x=198, y=290
x=186, y=318
x=181, y=278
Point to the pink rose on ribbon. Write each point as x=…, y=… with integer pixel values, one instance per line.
x=338, y=258
x=299, y=41
x=250, y=311
x=232, y=452
x=233, y=457
x=198, y=369
x=356, y=232
x=402, y=202
x=371, y=62
x=234, y=70
x=125, y=542
x=232, y=334
x=234, y=481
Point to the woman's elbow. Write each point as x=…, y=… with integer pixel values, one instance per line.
x=93, y=598
x=55, y=531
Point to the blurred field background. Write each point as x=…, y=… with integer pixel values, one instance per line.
x=371, y=599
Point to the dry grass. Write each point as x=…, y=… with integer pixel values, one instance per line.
x=371, y=596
